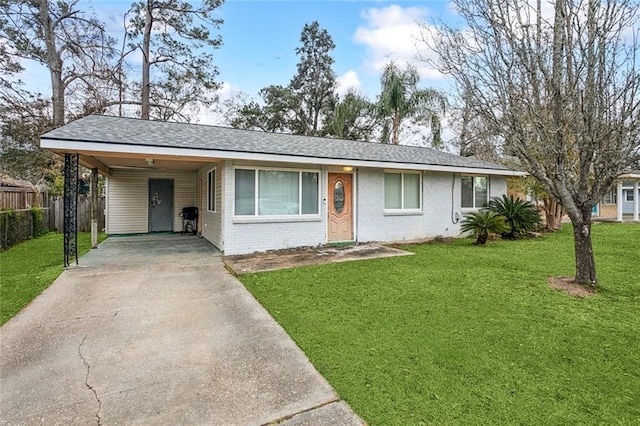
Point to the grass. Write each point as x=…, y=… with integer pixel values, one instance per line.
x=459, y=334
x=26, y=269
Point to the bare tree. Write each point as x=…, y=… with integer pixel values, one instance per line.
x=70, y=44
x=23, y=118
x=176, y=71
x=477, y=137
x=562, y=88
x=474, y=136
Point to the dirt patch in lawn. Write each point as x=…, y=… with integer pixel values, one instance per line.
x=292, y=258
x=569, y=286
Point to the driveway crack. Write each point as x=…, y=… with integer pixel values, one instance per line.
x=303, y=411
x=86, y=381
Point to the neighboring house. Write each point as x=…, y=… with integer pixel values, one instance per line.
x=259, y=191
x=622, y=200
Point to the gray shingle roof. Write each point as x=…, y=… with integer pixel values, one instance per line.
x=129, y=131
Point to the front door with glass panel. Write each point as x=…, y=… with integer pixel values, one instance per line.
x=340, y=207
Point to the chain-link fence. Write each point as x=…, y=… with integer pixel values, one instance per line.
x=20, y=225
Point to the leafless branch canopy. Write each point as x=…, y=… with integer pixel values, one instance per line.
x=558, y=81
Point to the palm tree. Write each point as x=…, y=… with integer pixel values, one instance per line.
x=483, y=223
x=401, y=99
x=521, y=216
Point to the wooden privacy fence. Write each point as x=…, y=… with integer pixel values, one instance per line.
x=22, y=198
x=56, y=213
x=20, y=224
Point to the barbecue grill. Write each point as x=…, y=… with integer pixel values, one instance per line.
x=189, y=220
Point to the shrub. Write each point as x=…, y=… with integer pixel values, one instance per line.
x=483, y=223
x=17, y=226
x=37, y=216
x=521, y=216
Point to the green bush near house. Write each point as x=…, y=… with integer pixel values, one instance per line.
x=521, y=216
x=26, y=269
x=37, y=215
x=483, y=223
x=456, y=335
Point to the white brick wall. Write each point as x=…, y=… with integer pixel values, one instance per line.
x=237, y=236
x=435, y=219
x=263, y=235
x=442, y=199
x=439, y=201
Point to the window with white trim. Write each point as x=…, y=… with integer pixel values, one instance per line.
x=211, y=190
x=628, y=195
x=611, y=196
x=271, y=192
x=402, y=191
x=475, y=191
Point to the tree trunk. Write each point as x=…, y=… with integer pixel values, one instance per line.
x=553, y=212
x=54, y=63
x=316, y=114
x=481, y=240
x=146, y=63
x=57, y=97
x=395, y=129
x=585, y=262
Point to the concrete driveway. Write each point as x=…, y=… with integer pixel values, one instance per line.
x=153, y=330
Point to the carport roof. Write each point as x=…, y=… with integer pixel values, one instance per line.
x=222, y=142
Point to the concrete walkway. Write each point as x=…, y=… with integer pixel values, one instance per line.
x=153, y=330
x=294, y=258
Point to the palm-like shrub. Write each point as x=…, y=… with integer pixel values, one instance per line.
x=521, y=216
x=483, y=223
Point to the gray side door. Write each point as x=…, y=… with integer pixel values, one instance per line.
x=160, y=205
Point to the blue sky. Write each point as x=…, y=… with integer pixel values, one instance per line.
x=260, y=36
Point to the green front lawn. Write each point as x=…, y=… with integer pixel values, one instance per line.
x=459, y=334
x=28, y=268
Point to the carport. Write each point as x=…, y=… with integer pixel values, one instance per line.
x=153, y=168
x=150, y=249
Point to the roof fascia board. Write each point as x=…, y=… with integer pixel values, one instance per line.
x=96, y=147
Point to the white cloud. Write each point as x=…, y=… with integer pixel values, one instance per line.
x=227, y=91
x=347, y=81
x=215, y=115
x=393, y=33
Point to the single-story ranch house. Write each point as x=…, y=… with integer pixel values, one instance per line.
x=258, y=191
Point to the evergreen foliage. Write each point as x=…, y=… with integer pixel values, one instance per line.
x=482, y=223
x=521, y=216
